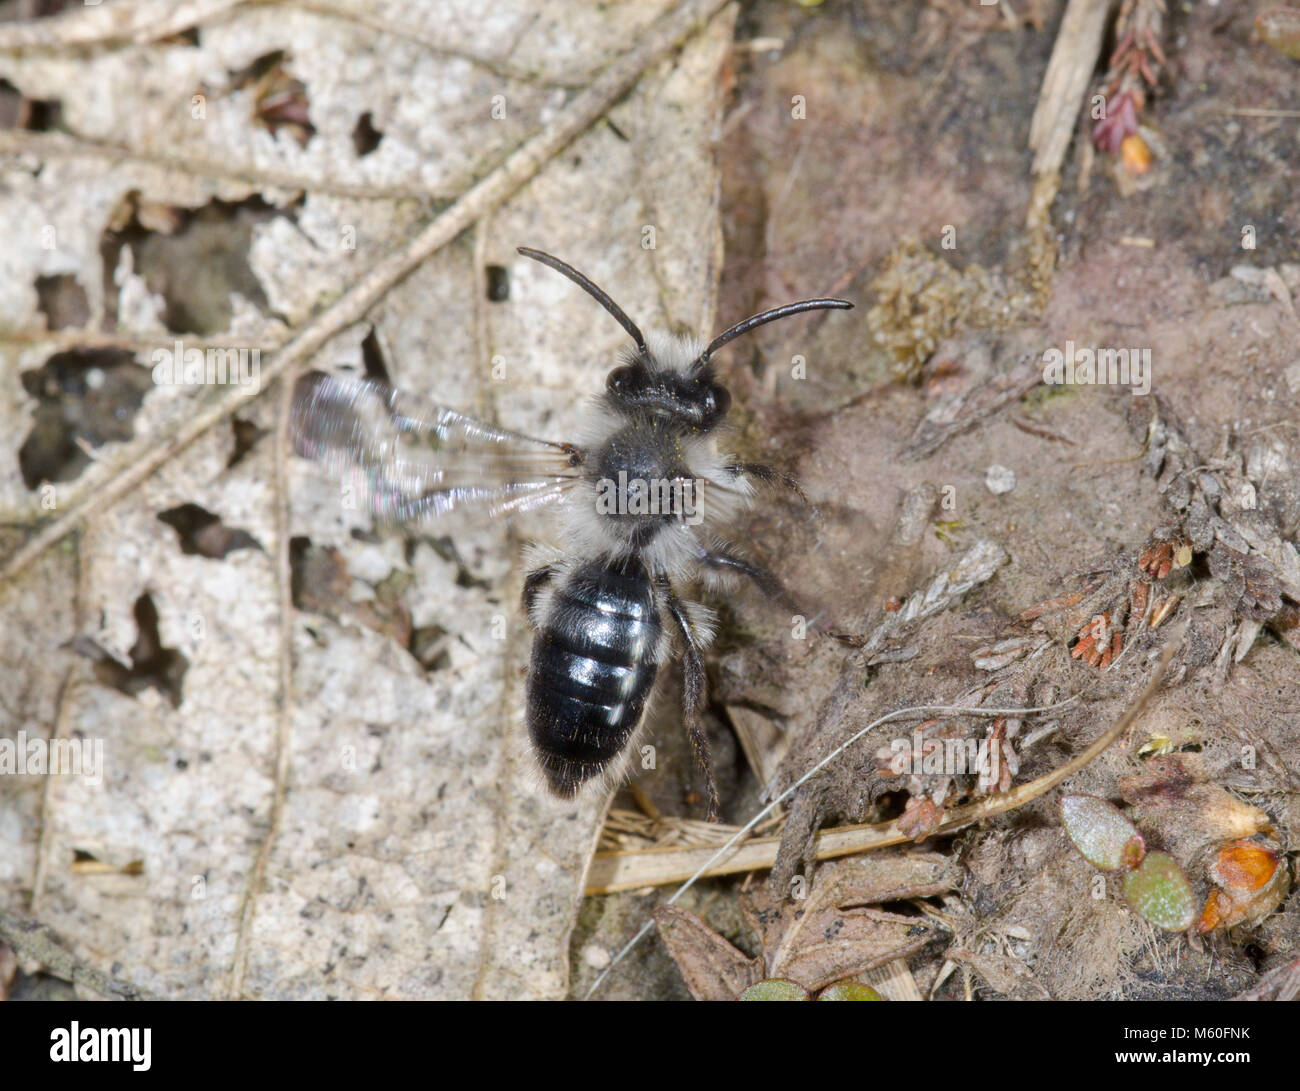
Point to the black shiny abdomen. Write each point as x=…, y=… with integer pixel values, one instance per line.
x=592, y=669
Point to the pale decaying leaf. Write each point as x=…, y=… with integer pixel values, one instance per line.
x=710, y=966
x=414, y=856
x=818, y=936
x=832, y=932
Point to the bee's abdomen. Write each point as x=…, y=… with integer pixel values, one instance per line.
x=592, y=669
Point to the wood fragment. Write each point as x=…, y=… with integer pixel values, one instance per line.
x=711, y=967
x=1003, y=974
x=1060, y=100
x=1280, y=983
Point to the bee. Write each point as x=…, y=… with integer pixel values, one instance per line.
x=642, y=497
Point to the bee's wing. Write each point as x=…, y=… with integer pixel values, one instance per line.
x=415, y=460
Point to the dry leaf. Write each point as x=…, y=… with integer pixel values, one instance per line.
x=831, y=934
x=711, y=967
x=412, y=855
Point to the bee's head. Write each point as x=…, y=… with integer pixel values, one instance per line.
x=681, y=388
x=692, y=396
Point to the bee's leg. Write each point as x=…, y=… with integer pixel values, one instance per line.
x=722, y=560
x=768, y=476
x=694, y=680
x=534, y=583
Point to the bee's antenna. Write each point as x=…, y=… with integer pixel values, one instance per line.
x=764, y=318
x=587, y=286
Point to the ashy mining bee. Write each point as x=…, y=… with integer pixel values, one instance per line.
x=640, y=499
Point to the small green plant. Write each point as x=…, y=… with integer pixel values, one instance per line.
x=1160, y=892
x=775, y=989
x=1155, y=885
x=849, y=990
x=1103, y=836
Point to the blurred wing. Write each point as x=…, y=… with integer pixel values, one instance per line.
x=415, y=460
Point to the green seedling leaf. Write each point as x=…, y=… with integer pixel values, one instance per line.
x=1103, y=836
x=775, y=989
x=849, y=990
x=1160, y=892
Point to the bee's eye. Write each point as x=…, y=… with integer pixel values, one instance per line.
x=718, y=401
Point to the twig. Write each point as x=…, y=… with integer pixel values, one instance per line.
x=137, y=460
x=609, y=871
x=883, y=834
x=31, y=939
x=59, y=729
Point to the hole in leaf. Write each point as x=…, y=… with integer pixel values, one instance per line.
x=194, y=259
x=321, y=583
x=372, y=355
x=279, y=99
x=189, y=36
x=87, y=397
x=17, y=111
x=309, y=568
x=498, y=284
x=246, y=435
x=151, y=663
x=429, y=647
x=35, y=9
x=63, y=302
x=203, y=534
x=365, y=137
